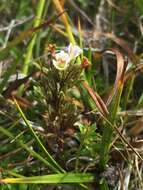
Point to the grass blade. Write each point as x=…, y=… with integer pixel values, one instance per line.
x=114, y=98
x=49, y=157
x=40, y=9
x=53, y=179
x=26, y=147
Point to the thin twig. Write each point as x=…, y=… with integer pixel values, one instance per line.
x=17, y=23
x=10, y=27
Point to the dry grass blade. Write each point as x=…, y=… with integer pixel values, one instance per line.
x=97, y=99
x=134, y=71
x=64, y=17
x=83, y=14
x=119, y=74
x=14, y=86
x=112, y=4
x=124, y=45
x=137, y=129
x=121, y=42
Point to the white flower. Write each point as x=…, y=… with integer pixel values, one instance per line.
x=74, y=51
x=61, y=60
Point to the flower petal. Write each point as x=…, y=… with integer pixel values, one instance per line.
x=74, y=51
x=61, y=60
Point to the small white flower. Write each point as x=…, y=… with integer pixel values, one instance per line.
x=61, y=60
x=74, y=51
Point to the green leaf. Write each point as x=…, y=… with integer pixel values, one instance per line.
x=53, y=179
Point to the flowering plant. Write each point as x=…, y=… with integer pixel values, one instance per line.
x=62, y=59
